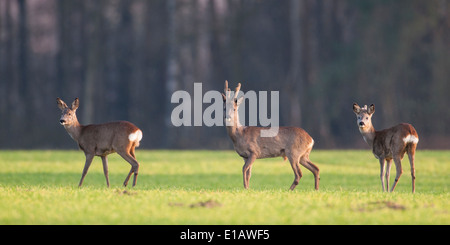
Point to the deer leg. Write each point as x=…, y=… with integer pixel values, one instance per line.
x=132, y=152
x=87, y=164
x=249, y=174
x=134, y=157
x=411, y=153
x=382, y=172
x=388, y=173
x=105, y=169
x=398, y=166
x=247, y=170
x=304, y=161
x=297, y=171
x=134, y=167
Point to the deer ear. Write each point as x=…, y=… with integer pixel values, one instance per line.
x=75, y=104
x=61, y=104
x=371, y=109
x=239, y=101
x=356, y=108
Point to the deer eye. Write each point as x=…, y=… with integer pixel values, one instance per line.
x=367, y=117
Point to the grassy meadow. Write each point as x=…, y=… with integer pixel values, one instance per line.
x=205, y=187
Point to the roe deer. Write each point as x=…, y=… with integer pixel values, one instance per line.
x=102, y=139
x=388, y=144
x=292, y=143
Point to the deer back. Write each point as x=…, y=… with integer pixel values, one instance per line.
x=393, y=141
x=108, y=137
x=289, y=140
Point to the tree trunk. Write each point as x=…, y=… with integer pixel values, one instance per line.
x=93, y=60
x=295, y=84
x=172, y=71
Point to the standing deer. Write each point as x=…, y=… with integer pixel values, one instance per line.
x=388, y=144
x=292, y=143
x=102, y=139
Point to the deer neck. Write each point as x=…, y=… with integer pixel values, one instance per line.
x=368, y=134
x=74, y=130
x=235, y=130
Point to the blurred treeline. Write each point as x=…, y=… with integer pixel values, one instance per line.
x=125, y=58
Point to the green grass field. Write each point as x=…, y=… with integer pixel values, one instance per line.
x=205, y=187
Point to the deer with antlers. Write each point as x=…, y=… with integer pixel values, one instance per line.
x=388, y=144
x=292, y=143
x=102, y=139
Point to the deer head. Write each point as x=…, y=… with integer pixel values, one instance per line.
x=364, y=116
x=68, y=116
x=231, y=105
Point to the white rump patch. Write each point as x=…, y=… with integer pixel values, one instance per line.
x=136, y=136
x=311, y=144
x=410, y=139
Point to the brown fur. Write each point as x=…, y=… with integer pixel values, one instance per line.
x=388, y=144
x=292, y=143
x=101, y=140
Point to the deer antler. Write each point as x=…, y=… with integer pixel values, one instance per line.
x=237, y=90
x=227, y=90
x=226, y=86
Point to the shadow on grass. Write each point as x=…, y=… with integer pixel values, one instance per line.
x=210, y=182
x=97, y=180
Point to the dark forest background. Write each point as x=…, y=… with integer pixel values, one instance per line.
x=125, y=58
